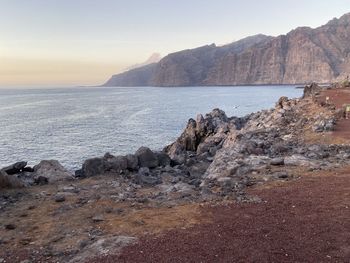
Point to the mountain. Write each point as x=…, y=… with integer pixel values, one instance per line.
x=303, y=55
x=154, y=58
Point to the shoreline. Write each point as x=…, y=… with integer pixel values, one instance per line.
x=52, y=122
x=120, y=200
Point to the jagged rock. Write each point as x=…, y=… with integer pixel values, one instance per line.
x=52, y=170
x=9, y=181
x=199, y=132
x=14, y=168
x=146, y=158
x=311, y=90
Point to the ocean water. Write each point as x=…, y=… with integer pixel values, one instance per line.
x=73, y=124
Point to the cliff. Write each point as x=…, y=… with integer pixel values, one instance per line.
x=303, y=55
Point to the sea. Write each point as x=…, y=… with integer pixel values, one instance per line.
x=73, y=124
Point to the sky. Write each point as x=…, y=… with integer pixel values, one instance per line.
x=84, y=42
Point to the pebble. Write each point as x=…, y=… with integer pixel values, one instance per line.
x=60, y=198
x=98, y=218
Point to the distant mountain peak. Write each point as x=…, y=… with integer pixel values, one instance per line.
x=154, y=58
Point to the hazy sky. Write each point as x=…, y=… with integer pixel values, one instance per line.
x=73, y=42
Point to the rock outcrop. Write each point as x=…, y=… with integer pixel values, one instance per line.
x=303, y=55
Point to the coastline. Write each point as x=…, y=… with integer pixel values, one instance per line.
x=73, y=125
x=216, y=159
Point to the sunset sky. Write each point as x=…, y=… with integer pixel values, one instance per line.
x=83, y=42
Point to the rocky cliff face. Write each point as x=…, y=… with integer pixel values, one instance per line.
x=133, y=78
x=303, y=55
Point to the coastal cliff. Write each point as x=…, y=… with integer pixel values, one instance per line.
x=304, y=55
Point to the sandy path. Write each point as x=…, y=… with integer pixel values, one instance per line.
x=339, y=97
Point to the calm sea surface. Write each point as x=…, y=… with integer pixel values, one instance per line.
x=72, y=124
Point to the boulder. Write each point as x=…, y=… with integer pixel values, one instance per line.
x=93, y=167
x=9, y=181
x=14, y=168
x=52, y=170
x=163, y=159
x=114, y=163
x=146, y=158
x=132, y=162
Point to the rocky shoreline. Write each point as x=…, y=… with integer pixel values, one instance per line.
x=213, y=151
x=216, y=158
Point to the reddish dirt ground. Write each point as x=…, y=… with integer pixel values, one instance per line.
x=307, y=220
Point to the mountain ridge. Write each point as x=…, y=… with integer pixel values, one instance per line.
x=302, y=55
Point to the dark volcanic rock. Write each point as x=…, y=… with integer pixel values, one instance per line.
x=14, y=168
x=132, y=161
x=93, y=167
x=145, y=177
x=114, y=163
x=163, y=159
x=147, y=158
x=59, y=198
